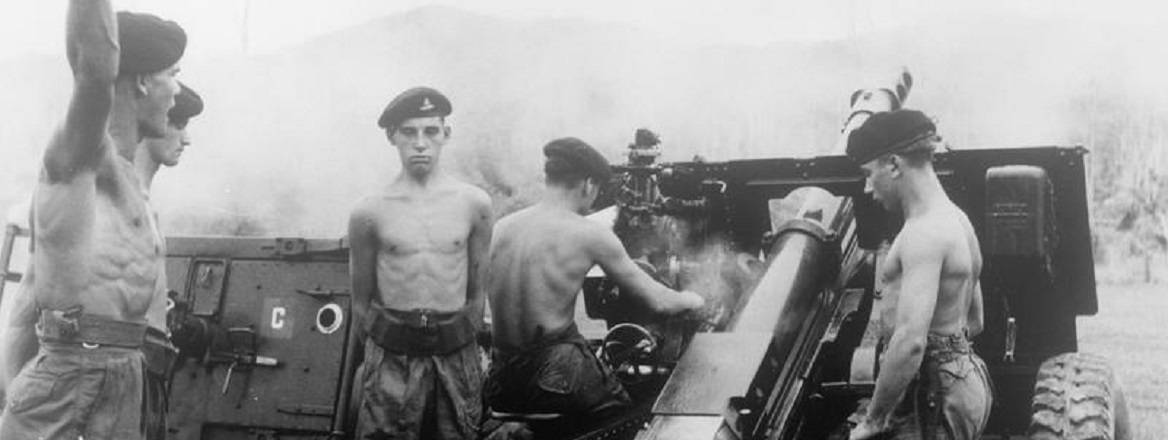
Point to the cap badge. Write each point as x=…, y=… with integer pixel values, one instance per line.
x=426, y=105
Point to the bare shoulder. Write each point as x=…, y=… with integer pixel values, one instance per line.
x=471, y=191
x=364, y=207
x=365, y=214
x=924, y=239
x=965, y=225
x=512, y=217
x=507, y=222
x=474, y=195
x=596, y=236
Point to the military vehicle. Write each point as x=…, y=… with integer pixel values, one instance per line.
x=787, y=250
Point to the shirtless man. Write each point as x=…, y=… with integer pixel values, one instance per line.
x=416, y=253
x=155, y=152
x=931, y=384
x=538, y=261
x=20, y=340
x=152, y=153
x=98, y=255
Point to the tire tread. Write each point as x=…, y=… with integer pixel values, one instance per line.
x=1073, y=399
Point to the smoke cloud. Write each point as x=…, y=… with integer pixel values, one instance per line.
x=288, y=142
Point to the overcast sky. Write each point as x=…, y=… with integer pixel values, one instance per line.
x=232, y=27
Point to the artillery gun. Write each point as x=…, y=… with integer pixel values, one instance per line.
x=787, y=250
x=790, y=247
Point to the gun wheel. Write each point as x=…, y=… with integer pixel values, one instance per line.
x=1076, y=397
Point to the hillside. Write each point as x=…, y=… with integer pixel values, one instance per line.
x=289, y=140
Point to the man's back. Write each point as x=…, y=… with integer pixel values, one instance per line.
x=540, y=363
x=539, y=259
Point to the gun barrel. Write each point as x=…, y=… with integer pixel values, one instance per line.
x=798, y=262
x=785, y=307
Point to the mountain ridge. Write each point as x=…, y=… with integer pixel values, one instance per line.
x=289, y=142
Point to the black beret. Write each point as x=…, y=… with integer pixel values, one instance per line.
x=148, y=43
x=418, y=102
x=888, y=132
x=574, y=157
x=187, y=104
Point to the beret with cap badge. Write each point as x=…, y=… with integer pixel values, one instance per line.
x=418, y=102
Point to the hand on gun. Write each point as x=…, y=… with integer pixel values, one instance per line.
x=692, y=300
x=708, y=311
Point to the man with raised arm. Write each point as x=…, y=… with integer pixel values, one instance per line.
x=417, y=248
x=98, y=255
x=931, y=383
x=538, y=261
x=20, y=341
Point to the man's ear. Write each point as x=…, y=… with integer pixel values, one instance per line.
x=140, y=88
x=584, y=188
x=894, y=162
x=446, y=129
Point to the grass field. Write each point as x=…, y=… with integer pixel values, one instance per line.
x=1130, y=330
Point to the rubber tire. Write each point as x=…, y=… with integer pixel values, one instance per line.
x=1077, y=397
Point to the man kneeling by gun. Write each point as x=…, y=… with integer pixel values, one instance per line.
x=541, y=365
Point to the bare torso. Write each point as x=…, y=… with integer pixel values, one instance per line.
x=960, y=269
x=538, y=262
x=98, y=245
x=422, y=241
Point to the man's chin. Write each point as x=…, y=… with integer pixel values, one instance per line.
x=419, y=170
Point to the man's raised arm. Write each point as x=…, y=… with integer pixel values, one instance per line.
x=91, y=44
x=611, y=256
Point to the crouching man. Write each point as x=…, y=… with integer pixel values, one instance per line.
x=541, y=366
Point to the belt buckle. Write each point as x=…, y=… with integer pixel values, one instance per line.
x=68, y=327
x=89, y=346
